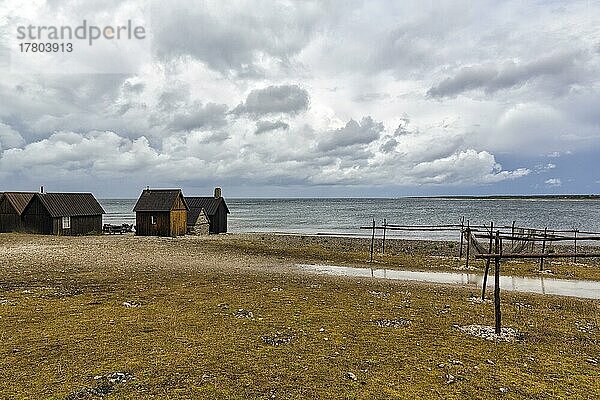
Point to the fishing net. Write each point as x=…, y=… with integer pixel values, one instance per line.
x=523, y=238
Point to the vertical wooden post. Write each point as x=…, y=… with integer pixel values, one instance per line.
x=497, y=312
x=383, y=243
x=575, y=244
x=512, y=233
x=462, y=227
x=372, y=240
x=468, y=244
x=543, y=249
x=487, y=261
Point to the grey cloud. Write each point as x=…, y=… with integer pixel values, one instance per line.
x=353, y=133
x=173, y=97
x=266, y=126
x=370, y=97
x=232, y=38
x=137, y=87
x=491, y=78
x=209, y=116
x=9, y=138
x=389, y=146
x=285, y=99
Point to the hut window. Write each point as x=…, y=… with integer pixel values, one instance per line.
x=153, y=219
x=66, y=222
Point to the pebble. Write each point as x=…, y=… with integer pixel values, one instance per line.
x=277, y=339
x=592, y=361
x=488, y=333
x=450, y=379
x=241, y=313
x=351, y=376
x=503, y=390
x=392, y=323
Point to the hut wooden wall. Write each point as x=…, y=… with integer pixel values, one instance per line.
x=81, y=225
x=36, y=219
x=178, y=218
x=144, y=226
x=10, y=221
x=178, y=222
x=218, y=222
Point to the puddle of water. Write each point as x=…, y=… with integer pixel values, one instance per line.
x=540, y=285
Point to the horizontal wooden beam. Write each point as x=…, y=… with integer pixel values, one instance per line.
x=533, y=255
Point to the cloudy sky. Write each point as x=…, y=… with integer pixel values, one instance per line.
x=312, y=98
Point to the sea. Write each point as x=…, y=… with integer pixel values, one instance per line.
x=345, y=216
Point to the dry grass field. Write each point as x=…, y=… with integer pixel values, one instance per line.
x=228, y=317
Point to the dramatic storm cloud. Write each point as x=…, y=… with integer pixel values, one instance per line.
x=272, y=97
x=287, y=99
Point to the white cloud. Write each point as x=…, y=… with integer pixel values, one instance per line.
x=553, y=182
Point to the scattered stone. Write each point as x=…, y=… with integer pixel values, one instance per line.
x=586, y=326
x=592, y=361
x=276, y=289
x=351, y=376
x=488, y=333
x=277, y=340
x=450, y=379
x=522, y=305
x=105, y=384
x=392, y=323
x=441, y=365
x=322, y=330
x=503, y=390
x=457, y=362
x=128, y=304
x=379, y=295
x=490, y=362
x=241, y=313
x=223, y=306
x=477, y=300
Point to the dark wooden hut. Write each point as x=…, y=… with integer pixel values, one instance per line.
x=12, y=205
x=161, y=212
x=215, y=207
x=63, y=214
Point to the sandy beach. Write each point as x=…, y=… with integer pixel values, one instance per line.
x=229, y=316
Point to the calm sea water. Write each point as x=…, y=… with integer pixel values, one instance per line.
x=344, y=216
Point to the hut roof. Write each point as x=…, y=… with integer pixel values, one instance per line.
x=70, y=204
x=18, y=200
x=158, y=200
x=210, y=205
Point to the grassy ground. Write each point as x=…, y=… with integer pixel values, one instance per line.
x=63, y=322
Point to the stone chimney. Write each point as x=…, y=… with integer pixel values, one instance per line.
x=217, y=193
